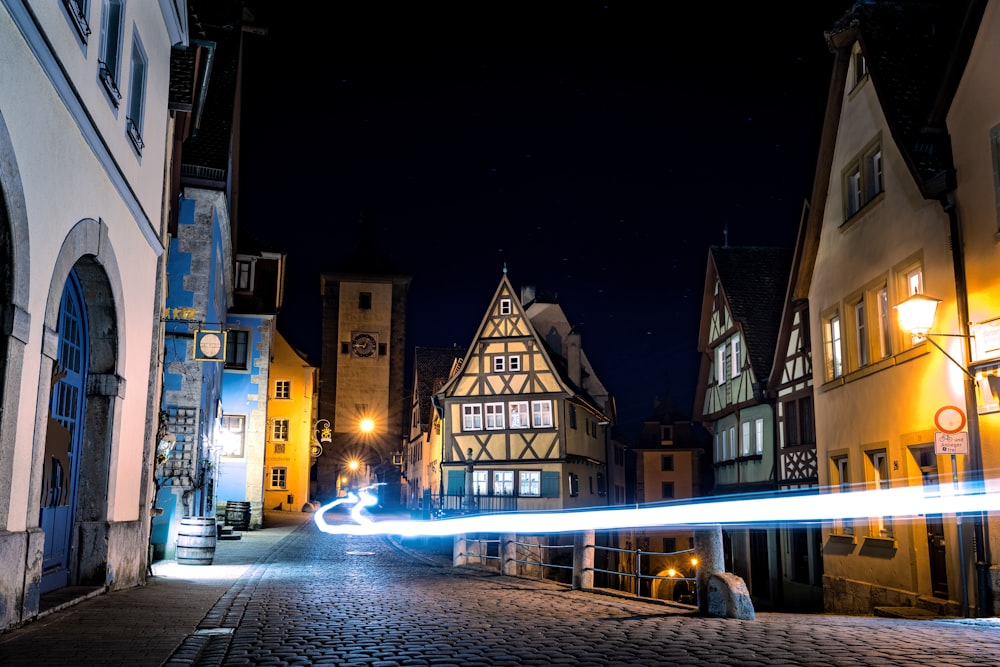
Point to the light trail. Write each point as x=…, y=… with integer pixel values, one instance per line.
x=901, y=503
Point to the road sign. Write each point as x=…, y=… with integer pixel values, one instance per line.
x=949, y=419
x=951, y=443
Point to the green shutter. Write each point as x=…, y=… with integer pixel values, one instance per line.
x=550, y=484
x=456, y=483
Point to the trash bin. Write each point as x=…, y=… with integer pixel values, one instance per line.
x=238, y=515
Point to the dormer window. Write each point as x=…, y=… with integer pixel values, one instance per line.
x=505, y=307
x=860, y=65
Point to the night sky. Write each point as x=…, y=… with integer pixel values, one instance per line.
x=597, y=149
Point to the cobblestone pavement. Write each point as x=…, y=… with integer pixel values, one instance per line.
x=317, y=599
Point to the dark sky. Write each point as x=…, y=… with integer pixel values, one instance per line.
x=597, y=149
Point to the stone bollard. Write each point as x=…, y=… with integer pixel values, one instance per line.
x=508, y=554
x=459, y=556
x=583, y=560
x=719, y=593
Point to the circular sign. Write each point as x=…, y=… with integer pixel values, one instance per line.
x=949, y=419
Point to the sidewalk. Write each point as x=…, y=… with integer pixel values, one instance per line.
x=143, y=625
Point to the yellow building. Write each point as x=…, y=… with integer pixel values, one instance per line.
x=883, y=226
x=533, y=438
x=291, y=436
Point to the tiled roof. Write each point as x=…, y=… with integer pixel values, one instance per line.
x=753, y=280
x=909, y=48
x=432, y=365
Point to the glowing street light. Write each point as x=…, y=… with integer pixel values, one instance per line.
x=367, y=425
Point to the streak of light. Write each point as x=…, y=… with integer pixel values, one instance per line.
x=900, y=503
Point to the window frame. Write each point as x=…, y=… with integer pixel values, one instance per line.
x=503, y=482
x=541, y=414
x=506, y=307
x=745, y=438
x=280, y=429
x=227, y=432
x=244, y=274
x=879, y=479
x=863, y=179
x=493, y=416
x=283, y=390
x=529, y=479
x=472, y=417
x=499, y=363
x=758, y=442
x=138, y=71
x=734, y=361
x=666, y=463
x=523, y=412
x=840, y=466
x=238, y=342
x=278, y=478
x=833, y=346
x=667, y=491
x=514, y=363
x=110, y=48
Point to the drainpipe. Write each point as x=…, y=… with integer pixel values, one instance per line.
x=984, y=602
x=440, y=411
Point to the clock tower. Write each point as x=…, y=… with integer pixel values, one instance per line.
x=362, y=391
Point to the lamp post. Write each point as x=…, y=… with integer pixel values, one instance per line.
x=916, y=315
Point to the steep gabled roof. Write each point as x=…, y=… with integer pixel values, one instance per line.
x=431, y=367
x=915, y=51
x=753, y=280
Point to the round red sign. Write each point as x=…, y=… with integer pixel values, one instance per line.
x=949, y=419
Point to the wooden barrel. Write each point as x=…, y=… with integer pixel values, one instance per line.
x=196, y=540
x=238, y=514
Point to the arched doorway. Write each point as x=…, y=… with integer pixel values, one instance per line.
x=64, y=438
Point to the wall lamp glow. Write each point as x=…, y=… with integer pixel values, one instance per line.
x=916, y=315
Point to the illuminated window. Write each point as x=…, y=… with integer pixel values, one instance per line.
x=283, y=389
x=244, y=275
x=231, y=434
x=278, y=478
x=734, y=353
x=860, y=332
x=541, y=414
x=832, y=350
x=910, y=281
x=519, y=414
x=881, y=526
x=529, y=483
x=843, y=483
x=759, y=435
x=279, y=430
x=472, y=417
x=494, y=416
x=109, y=63
x=720, y=363
x=884, y=336
x=745, y=444
x=503, y=482
x=480, y=482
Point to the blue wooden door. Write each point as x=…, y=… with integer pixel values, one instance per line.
x=64, y=438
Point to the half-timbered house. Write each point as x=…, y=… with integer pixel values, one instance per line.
x=741, y=312
x=529, y=436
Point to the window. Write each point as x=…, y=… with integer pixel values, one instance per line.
x=279, y=430
x=494, y=416
x=244, y=275
x=843, y=482
x=136, y=95
x=237, y=347
x=572, y=416
x=667, y=462
x=910, y=281
x=832, y=350
x=602, y=484
x=541, y=414
x=514, y=363
x=283, y=389
x=732, y=441
x=519, y=415
x=860, y=332
x=860, y=65
x=78, y=10
x=503, y=482
x=723, y=449
x=365, y=300
x=758, y=425
x=480, y=482
x=498, y=364
x=734, y=357
x=529, y=483
x=882, y=526
x=472, y=417
x=109, y=63
x=278, y=478
x=863, y=180
x=720, y=363
x=666, y=489
x=574, y=484
x=231, y=434
x=505, y=308
x=884, y=340
x=745, y=443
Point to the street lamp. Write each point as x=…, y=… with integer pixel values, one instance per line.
x=916, y=315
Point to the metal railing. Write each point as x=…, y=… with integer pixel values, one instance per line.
x=447, y=505
x=540, y=562
x=482, y=550
x=636, y=576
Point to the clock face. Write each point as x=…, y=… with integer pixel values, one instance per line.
x=364, y=345
x=209, y=345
